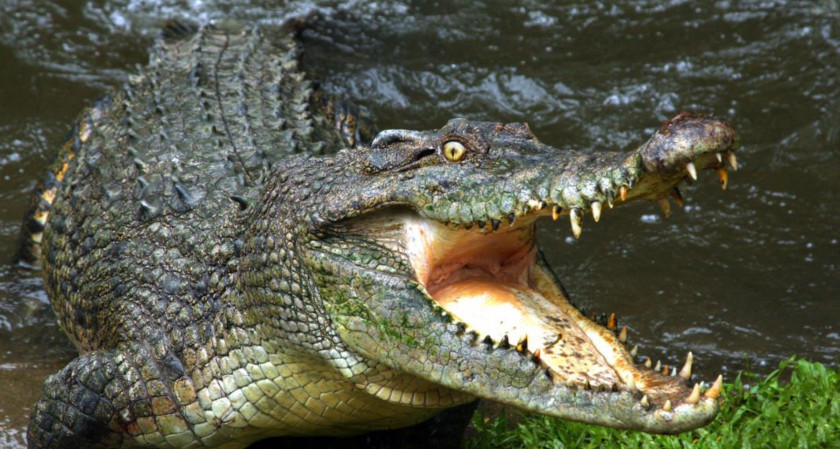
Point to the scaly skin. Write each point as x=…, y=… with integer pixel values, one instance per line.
x=230, y=273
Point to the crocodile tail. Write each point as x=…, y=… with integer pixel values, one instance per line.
x=35, y=219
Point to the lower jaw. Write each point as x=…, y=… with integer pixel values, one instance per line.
x=539, y=319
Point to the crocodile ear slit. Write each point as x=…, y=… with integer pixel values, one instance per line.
x=392, y=136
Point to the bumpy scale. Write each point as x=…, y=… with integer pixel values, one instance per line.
x=236, y=257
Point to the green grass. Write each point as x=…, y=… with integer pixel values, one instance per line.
x=803, y=412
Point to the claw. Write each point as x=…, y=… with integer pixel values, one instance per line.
x=577, y=221
x=622, y=193
x=730, y=156
x=685, y=372
x=724, y=177
x=665, y=205
x=714, y=391
x=596, y=211
x=692, y=171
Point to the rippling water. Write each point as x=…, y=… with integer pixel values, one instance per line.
x=744, y=278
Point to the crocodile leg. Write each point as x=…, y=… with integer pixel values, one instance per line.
x=102, y=398
x=77, y=409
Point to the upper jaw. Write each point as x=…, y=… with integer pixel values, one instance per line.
x=567, y=183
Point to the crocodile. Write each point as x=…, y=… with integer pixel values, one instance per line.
x=238, y=255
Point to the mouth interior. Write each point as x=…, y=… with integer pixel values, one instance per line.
x=491, y=282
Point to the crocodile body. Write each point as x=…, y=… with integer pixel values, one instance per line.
x=236, y=258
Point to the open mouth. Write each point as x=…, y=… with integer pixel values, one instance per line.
x=491, y=281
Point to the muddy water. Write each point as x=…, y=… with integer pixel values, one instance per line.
x=744, y=278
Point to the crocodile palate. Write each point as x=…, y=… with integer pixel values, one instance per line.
x=236, y=257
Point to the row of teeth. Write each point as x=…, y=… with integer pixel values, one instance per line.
x=521, y=346
x=685, y=372
x=576, y=213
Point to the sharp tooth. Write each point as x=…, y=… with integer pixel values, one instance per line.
x=676, y=194
x=658, y=366
x=634, y=351
x=719, y=157
x=511, y=218
x=537, y=354
x=673, y=371
x=555, y=213
x=522, y=345
x=694, y=397
x=685, y=372
x=622, y=336
x=692, y=171
x=622, y=193
x=730, y=156
x=629, y=381
x=612, y=322
x=667, y=406
x=714, y=391
x=647, y=364
x=724, y=177
x=596, y=211
x=541, y=205
x=576, y=220
x=462, y=327
x=505, y=342
x=645, y=403
x=587, y=385
x=665, y=205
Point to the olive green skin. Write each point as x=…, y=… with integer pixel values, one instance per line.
x=201, y=253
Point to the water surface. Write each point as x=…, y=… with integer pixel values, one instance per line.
x=744, y=278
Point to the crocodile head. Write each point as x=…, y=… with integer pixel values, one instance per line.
x=423, y=250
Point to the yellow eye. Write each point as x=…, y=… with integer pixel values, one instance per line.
x=454, y=150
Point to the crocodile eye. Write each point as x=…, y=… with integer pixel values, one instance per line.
x=454, y=150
